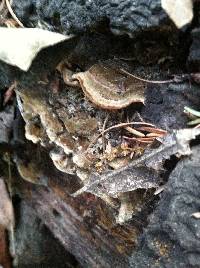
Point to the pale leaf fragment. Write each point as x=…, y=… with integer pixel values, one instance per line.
x=179, y=11
x=196, y=215
x=19, y=46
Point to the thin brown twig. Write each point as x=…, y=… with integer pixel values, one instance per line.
x=115, y=127
x=151, y=129
x=141, y=140
x=13, y=14
x=9, y=92
x=139, y=117
x=152, y=134
x=134, y=132
x=147, y=81
x=103, y=136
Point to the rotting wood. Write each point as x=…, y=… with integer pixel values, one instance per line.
x=85, y=226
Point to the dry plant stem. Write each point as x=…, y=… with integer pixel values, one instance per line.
x=150, y=139
x=103, y=136
x=145, y=139
x=13, y=14
x=139, y=117
x=127, y=59
x=155, y=135
x=152, y=130
x=9, y=93
x=159, y=190
x=134, y=132
x=147, y=81
x=115, y=127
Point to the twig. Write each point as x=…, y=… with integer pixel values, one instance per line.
x=141, y=140
x=9, y=93
x=139, y=117
x=198, y=126
x=13, y=14
x=191, y=111
x=153, y=130
x=103, y=136
x=153, y=134
x=134, y=132
x=115, y=127
x=148, y=81
x=194, y=122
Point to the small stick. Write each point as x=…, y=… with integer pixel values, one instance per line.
x=103, y=136
x=141, y=140
x=159, y=190
x=155, y=135
x=148, y=81
x=134, y=132
x=194, y=122
x=9, y=93
x=115, y=127
x=198, y=126
x=13, y=14
x=191, y=111
x=154, y=130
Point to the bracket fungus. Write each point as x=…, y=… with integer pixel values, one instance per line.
x=109, y=88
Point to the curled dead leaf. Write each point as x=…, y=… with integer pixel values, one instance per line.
x=108, y=88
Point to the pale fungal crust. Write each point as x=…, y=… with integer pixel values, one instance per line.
x=108, y=88
x=62, y=162
x=30, y=172
x=33, y=133
x=83, y=125
x=65, y=141
x=67, y=75
x=73, y=130
x=50, y=124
